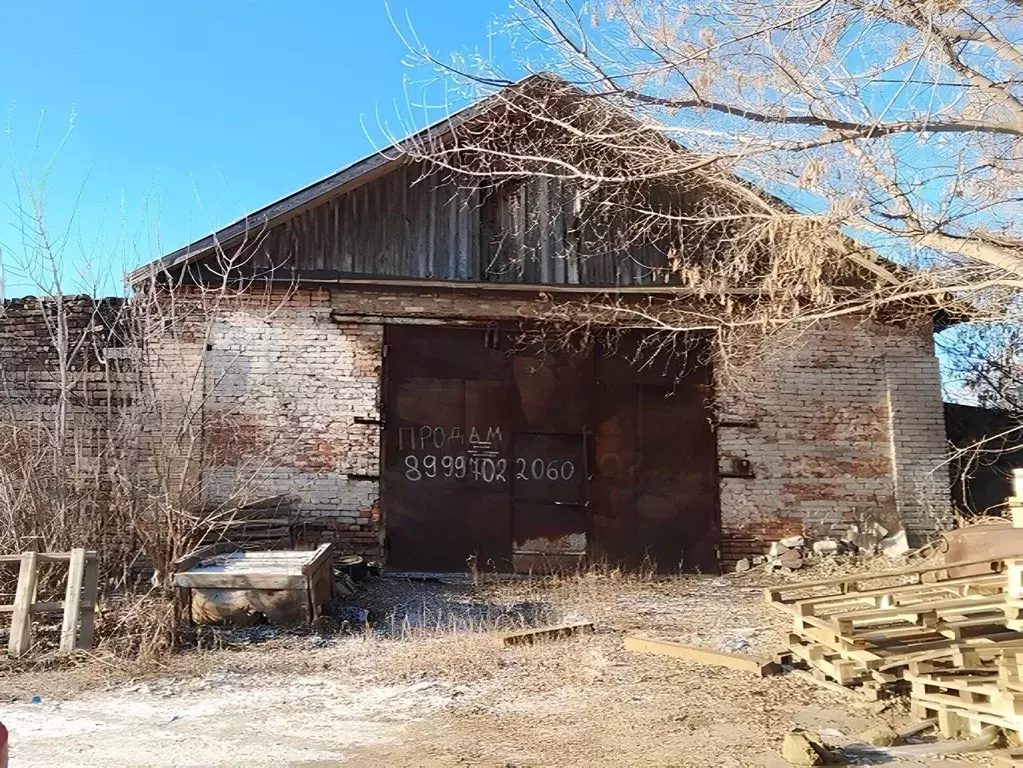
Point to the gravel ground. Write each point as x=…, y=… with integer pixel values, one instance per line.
x=429, y=686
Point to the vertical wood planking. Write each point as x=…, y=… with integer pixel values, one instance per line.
x=451, y=222
x=327, y=238
x=348, y=234
x=90, y=594
x=303, y=256
x=430, y=211
x=335, y=233
x=518, y=255
x=419, y=223
x=462, y=207
x=21, y=622
x=542, y=218
x=72, y=601
x=362, y=229
x=390, y=227
x=473, y=233
x=406, y=248
x=406, y=224
x=570, y=233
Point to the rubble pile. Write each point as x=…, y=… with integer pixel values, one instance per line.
x=791, y=553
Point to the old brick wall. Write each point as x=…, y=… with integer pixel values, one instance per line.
x=293, y=408
x=841, y=424
x=258, y=395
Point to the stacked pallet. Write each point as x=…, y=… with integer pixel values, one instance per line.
x=865, y=630
x=949, y=634
x=972, y=690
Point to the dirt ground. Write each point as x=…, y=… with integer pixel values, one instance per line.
x=428, y=686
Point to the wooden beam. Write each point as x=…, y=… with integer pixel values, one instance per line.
x=90, y=592
x=48, y=557
x=72, y=601
x=755, y=664
x=221, y=580
x=774, y=594
x=546, y=633
x=46, y=607
x=316, y=559
x=192, y=560
x=21, y=623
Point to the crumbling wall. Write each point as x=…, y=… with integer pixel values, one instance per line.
x=292, y=407
x=839, y=425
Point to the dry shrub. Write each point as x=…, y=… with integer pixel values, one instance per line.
x=138, y=627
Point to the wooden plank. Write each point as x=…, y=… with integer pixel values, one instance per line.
x=773, y=594
x=546, y=633
x=431, y=213
x=570, y=236
x=21, y=623
x=190, y=561
x=90, y=593
x=47, y=557
x=542, y=225
x=958, y=586
x=464, y=235
x=220, y=580
x=475, y=271
x=72, y=601
x=759, y=666
x=321, y=588
x=44, y=607
x=451, y=241
x=318, y=557
x=957, y=606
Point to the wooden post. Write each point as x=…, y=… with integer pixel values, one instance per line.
x=21, y=622
x=90, y=593
x=72, y=601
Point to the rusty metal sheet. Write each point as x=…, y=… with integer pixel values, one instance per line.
x=548, y=536
x=498, y=455
x=992, y=538
x=676, y=487
x=550, y=506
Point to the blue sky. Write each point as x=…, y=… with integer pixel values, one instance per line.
x=187, y=115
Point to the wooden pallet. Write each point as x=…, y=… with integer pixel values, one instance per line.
x=78, y=607
x=956, y=721
x=975, y=691
x=875, y=585
x=868, y=630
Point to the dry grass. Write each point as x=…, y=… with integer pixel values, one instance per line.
x=467, y=700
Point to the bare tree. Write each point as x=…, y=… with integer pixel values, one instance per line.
x=107, y=433
x=827, y=134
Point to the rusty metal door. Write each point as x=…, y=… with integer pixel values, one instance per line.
x=550, y=506
x=500, y=457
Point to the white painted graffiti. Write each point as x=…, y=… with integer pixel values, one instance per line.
x=482, y=469
x=538, y=469
x=426, y=437
x=485, y=469
x=480, y=460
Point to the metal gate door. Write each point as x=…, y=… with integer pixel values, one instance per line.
x=508, y=459
x=550, y=520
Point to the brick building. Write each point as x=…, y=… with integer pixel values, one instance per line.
x=381, y=356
